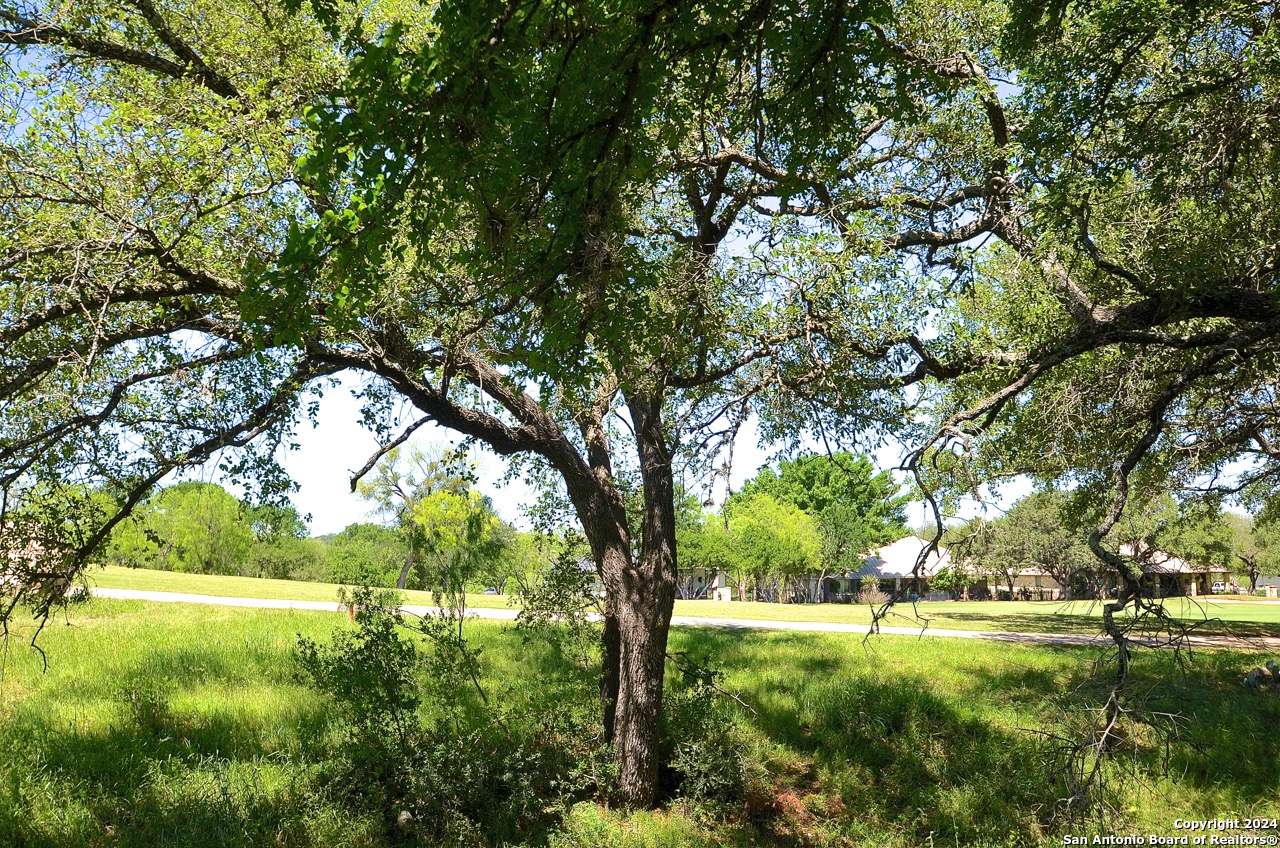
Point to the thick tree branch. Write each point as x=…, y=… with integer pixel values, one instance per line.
x=34, y=33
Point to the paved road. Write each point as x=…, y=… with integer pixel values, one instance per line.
x=506, y=614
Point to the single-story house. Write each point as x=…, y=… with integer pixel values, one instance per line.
x=894, y=567
x=1030, y=584
x=1164, y=575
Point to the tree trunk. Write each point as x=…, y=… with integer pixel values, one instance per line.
x=640, y=595
x=610, y=667
x=403, y=579
x=645, y=597
x=643, y=623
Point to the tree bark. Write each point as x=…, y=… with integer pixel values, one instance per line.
x=403, y=579
x=611, y=549
x=610, y=666
x=604, y=520
x=644, y=597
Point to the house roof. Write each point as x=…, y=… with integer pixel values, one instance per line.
x=898, y=559
x=1161, y=562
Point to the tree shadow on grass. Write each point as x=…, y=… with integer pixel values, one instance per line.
x=909, y=757
x=893, y=750
x=1224, y=735
x=1092, y=625
x=1229, y=735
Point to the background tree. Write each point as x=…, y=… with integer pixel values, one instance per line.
x=1256, y=546
x=282, y=546
x=704, y=545
x=1158, y=525
x=520, y=557
x=195, y=527
x=772, y=544
x=456, y=539
x=1035, y=533
x=203, y=528
x=856, y=508
x=973, y=550
x=1040, y=527
x=953, y=579
x=399, y=486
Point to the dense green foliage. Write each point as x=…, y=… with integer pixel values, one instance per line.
x=417, y=743
x=365, y=554
x=856, y=508
x=204, y=529
x=772, y=541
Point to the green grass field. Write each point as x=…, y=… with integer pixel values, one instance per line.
x=178, y=725
x=1244, y=619
x=118, y=577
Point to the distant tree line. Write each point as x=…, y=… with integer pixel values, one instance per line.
x=201, y=528
x=1046, y=531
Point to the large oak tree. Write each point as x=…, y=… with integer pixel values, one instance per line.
x=605, y=235
x=590, y=234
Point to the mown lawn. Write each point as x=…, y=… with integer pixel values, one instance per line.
x=119, y=577
x=1243, y=619
x=181, y=725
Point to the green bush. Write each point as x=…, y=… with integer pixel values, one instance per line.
x=286, y=559
x=417, y=741
x=705, y=754
x=365, y=555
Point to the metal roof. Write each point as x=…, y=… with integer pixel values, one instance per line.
x=898, y=559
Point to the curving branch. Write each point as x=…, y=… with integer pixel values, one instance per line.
x=30, y=32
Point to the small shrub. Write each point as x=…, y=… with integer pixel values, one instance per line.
x=869, y=591
x=419, y=742
x=705, y=752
